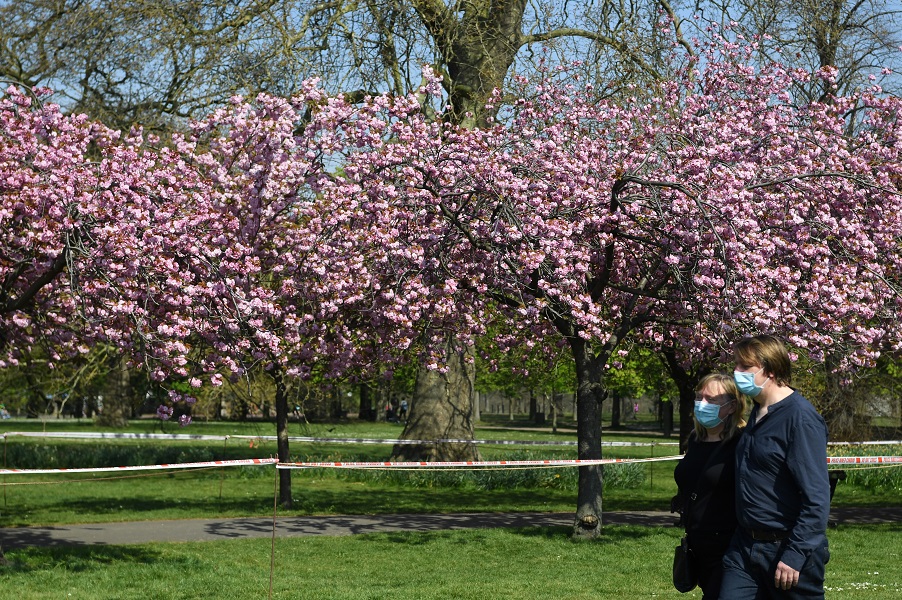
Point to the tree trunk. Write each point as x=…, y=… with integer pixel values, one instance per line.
x=335, y=405
x=667, y=418
x=686, y=380
x=217, y=404
x=589, y=394
x=366, y=412
x=838, y=406
x=282, y=439
x=478, y=42
x=117, y=397
x=615, y=410
x=686, y=409
x=441, y=408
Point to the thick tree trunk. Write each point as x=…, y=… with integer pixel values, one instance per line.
x=282, y=440
x=441, y=408
x=478, y=43
x=589, y=394
x=118, y=397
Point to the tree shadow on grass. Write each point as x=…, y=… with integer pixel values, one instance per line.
x=98, y=509
x=369, y=499
x=610, y=535
x=77, y=559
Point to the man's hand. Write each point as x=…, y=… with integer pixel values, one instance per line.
x=786, y=577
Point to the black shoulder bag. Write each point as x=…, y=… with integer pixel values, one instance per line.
x=685, y=571
x=685, y=575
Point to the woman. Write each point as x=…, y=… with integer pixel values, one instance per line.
x=706, y=477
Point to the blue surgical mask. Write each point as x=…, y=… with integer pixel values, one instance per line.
x=746, y=382
x=708, y=415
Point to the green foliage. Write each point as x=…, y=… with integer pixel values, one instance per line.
x=541, y=368
x=618, y=476
x=68, y=456
x=638, y=373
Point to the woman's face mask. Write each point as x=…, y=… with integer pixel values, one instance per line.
x=708, y=415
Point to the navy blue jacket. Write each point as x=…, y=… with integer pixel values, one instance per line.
x=781, y=476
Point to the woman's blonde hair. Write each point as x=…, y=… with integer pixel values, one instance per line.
x=734, y=421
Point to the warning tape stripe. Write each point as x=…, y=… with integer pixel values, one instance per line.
x=94, y=435
x=553, y=443
x=335, y=440
x=191, y=465
x=471, y=463
x=863, y=460
x=189, y=437
x=831, y=460
x=868, y=443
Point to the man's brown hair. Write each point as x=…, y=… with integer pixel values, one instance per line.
x=767, y=351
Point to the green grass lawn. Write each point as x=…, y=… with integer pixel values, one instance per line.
x=627, y=562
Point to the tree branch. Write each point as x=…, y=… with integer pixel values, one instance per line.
x=594, y=36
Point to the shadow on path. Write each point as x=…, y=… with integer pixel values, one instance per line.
x=139, y=532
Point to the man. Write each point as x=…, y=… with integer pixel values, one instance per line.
x=782, y=486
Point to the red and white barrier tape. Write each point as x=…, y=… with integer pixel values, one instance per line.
x=551, y=443
x=831, y=460
x=91, y=435
x=193, y=465
x=868, y=443
x=96, y=435
x=470, y=463
x=864, y=460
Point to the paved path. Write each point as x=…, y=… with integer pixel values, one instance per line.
x=139, y=532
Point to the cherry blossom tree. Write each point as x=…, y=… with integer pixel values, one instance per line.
x=715, y=208
x=227, y=273
x=54, y=220
x=174, y=255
